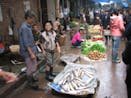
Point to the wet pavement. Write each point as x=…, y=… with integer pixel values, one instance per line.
x=111, y=77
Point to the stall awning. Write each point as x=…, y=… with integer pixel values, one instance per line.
x=118, y=1
x=128, y=0
x=98, y=1
x=125, y=4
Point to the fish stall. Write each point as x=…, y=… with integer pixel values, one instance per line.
x=76, y=79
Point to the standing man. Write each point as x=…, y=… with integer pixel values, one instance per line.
x=28, y=48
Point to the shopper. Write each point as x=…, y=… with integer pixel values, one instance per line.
x=56, y=24
x=102, y=17
x=126, y=56
x=37, y=37
x=77, y=39
x=50, y=44
x=28, y=48
x=106, y=26
x=57, y=27
x=68, y=20
x=91, y=16
x=83, y=17
x=116, y=28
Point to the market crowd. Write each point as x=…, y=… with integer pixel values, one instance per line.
x=33, y=40
x=118, y=22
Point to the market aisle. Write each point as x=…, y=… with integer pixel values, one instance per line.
x=111, y=78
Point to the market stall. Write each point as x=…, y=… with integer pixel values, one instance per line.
x=93, y=50
x=95, y=30
x=76, y=79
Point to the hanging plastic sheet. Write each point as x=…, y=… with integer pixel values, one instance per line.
x=125, y=4
x=129, y=1
x=98, y=1
x=117, y=1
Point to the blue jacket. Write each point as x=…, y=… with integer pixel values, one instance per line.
x=26, y=39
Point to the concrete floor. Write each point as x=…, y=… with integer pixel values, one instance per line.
x=111, y=76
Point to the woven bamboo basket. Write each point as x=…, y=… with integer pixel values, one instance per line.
x=14, y=48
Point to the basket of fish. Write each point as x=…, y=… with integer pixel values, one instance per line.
x=76, y=79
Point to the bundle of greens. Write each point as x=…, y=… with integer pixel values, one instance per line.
x=88, y=46
x=73, y=24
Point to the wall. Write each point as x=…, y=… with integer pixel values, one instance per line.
x=51, y=10
x=3, y=24
x=14, y=9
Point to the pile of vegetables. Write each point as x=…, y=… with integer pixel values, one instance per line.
x=89, y=46
x=86, y=45
x=73, y=24
x=96, y=55
x=94, y=29
x=83, y=25
x=97, y=37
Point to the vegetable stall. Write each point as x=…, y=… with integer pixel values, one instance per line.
x=81, y=79
x=94, y=50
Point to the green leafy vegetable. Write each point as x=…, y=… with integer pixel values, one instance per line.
x=88, y=46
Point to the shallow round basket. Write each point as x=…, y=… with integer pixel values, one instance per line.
x=14, y=48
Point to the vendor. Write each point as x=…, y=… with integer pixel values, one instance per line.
x=76, y=39
x=37, y=37
x=97, y=20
